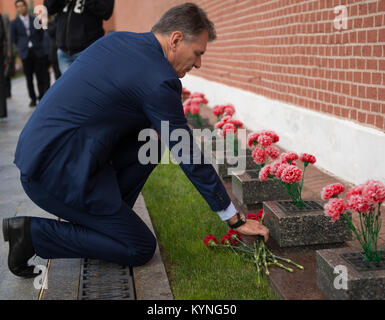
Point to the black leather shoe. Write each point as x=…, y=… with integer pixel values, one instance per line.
x=17, y=231
x=32, y=103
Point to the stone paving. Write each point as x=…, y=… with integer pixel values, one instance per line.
x=13, y=200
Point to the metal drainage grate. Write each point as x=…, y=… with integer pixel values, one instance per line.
x=288, y=207
x=357, y=260
x=101, y=280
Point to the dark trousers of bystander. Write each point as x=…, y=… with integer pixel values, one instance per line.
x=3, y=99
x=34, y=65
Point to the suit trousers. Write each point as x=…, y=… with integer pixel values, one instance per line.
x=3, y=94
x=121, y=237
x=34, y=65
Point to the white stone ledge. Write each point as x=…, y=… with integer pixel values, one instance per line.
x=347, y=150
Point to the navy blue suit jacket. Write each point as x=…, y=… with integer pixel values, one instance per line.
x=118, y=86
x=20, y=38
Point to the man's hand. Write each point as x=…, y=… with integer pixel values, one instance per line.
x=253, y=227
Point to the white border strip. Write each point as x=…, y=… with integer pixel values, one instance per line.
x=345, y=149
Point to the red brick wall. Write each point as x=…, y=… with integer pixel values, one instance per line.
x=289, y=50
x=8, y=6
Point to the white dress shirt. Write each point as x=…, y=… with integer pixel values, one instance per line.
x=26, y=23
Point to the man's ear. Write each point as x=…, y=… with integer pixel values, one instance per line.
x=176, y=39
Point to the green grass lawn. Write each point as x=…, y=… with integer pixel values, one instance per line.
x=181, y=219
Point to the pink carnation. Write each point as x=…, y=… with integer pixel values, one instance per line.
x=332, y=190
x=194, y=108
x=185, y=93
x=186, y=109
x=334, y=208
x=272, y=151
x=197, y=95
x=356, y=190
x=197, y=100
x=291, y=174
x=274, y=166
x=264, y=140
x=187, y=103
x=281, y=168
x=229, y=109
x=264, y=173
x=237, y=123
x=289, y=156
x=305, y=157
x=374, y=191
x=228, y=128
x=219, y=125
x=251, y=138
x=271, y=134
x=359, y=203
x=259, y=155
x=218, y=110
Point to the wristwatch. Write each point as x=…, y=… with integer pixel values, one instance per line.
x=241, y=221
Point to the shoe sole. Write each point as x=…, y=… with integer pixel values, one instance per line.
x=5, y=229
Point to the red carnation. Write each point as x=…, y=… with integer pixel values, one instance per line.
x=194, y=108
x=289, y=156
x=256, y=217
x=259, y=155
x=332, y=190
x=264, y=140
x=210, y=241
x=305, y=157
x=271, y=134
x=252, y=138
x=226, y=239
x=218, y=110
x=228, y=128
x=334, y=208
x=374, y=191
x=272, y=151
x=229, y=110
x=264, y=173
x=235, y=236
x=291, y=174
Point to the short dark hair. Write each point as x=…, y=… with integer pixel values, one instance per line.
x=187, y=18
x=23, y=1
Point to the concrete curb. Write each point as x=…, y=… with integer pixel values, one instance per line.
x=151, y=281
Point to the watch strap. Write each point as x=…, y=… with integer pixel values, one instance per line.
x=239, y=222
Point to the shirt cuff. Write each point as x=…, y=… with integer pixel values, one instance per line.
x=228, y=213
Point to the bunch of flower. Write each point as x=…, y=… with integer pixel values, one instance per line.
x=191, y=106
x=262, y=143
x=289, y=175
x=365, y=199
x=223, y=110
x=258, y=253
x=227, y=128
x=185, y=94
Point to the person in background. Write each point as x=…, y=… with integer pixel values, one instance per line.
x=29, y=42
x=9, y=59
x=47, y=64
x=79, y=24
x=53, y=50
x=3, y=53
